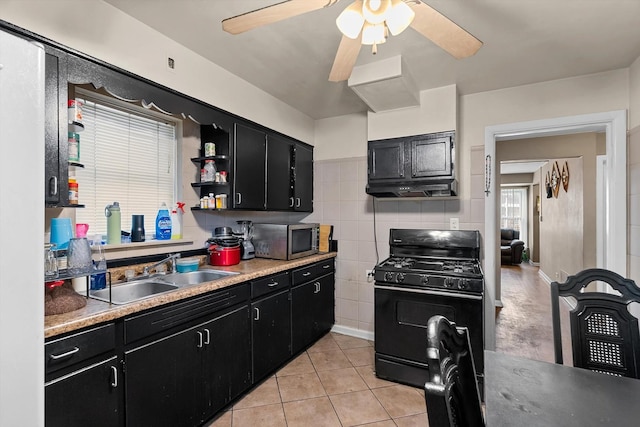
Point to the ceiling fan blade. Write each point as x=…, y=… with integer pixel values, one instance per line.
x=345, y=59
x=274, y=13
x=443, y=31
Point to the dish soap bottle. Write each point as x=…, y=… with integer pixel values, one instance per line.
x=163, y=223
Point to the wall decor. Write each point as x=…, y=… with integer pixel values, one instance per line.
x=555, y=179
x=565, y=176
x=547, y=186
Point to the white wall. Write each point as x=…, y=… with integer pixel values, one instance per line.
x=634, y=171
x=341, y=137
x=634, y=94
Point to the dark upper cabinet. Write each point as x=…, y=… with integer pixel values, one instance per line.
x=303, y=178
x=406, y=158
x=56, y=129
x=386, y=159
x=289, y=175
x=279, y=174
x=249, y=168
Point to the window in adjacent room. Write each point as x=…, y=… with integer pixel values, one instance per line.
x=129, y=156
x=513, y=209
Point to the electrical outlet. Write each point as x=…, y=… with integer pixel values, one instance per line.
x=454, y=223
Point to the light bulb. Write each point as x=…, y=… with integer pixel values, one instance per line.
x=399, y=17
x=350, y=21
x=373, y=34
x=375, y=11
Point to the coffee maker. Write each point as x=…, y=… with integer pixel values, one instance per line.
x=246, y=230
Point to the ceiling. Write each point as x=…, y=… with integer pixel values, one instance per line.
x=525, y=41
x=517, y=167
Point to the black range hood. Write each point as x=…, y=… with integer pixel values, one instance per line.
x=413, y=189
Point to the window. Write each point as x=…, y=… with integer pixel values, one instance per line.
x=129, y=157
x=513, y=210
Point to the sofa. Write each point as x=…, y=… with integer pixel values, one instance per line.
x=511, y=247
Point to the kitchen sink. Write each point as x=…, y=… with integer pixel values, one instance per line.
x=132, y=291
x=195, y=277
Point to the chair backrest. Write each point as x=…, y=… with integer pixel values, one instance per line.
x=451, y=394
x=604, y=335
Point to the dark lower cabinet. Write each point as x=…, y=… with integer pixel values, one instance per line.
x=312, y=311
x=271, y=333
x=88, y=396
x=184, y=378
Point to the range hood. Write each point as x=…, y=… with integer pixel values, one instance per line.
x=414, y=189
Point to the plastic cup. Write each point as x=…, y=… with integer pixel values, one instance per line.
x=61, y=232
x=81, y=230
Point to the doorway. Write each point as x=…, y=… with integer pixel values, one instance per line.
x=614, y=244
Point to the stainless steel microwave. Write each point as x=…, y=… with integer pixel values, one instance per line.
x=285, y=241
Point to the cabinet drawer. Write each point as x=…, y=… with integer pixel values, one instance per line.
x=179, y=313
x=76, y=348
x=269, y=284
x=313, y=271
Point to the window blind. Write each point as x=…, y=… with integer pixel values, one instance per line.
x=127, y=158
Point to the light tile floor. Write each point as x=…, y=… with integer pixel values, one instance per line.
x=330, y=384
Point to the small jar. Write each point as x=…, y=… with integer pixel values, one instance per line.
x=73, y=191
x=209, y=149
x=75, y=111
x=223, y=176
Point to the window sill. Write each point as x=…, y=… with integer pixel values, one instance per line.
x=148, y=244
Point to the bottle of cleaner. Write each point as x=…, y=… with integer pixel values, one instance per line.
x=163, y=223
x=112, y=212
x=176, y=220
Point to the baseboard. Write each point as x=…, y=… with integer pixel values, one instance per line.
x=353, y=332
x=535, y=264
x=499, y=303
x=544, y=277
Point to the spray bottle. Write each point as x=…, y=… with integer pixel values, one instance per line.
x=176, y=220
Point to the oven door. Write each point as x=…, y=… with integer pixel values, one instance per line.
x=401, y=317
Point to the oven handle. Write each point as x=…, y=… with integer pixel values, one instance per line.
x=430, y=292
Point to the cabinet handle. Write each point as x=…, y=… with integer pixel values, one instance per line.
x=326, y=266
x=207, y=340
x=317, y=284
x=297, y=202
x=114, y=381
x=257, y=314
x=239, y=198
x=63, y=355
x=199, y=345
x=308, y=273
x=272, y=284
x=53, y=186
x=291, y=200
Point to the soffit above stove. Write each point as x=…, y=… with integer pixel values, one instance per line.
x=385, y=85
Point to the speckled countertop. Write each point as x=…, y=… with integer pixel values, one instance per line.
x=97, y=312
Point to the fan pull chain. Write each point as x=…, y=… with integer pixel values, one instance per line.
x=374, y=49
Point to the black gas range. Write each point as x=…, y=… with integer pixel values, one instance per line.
x=428, y=272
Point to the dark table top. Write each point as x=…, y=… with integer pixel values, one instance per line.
x=525, y=392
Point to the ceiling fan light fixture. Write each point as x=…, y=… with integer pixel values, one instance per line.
x=375, y=11
x=373, y=34
x=350, y=21
x=399, y=17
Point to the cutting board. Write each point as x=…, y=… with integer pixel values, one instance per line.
x=326, y=234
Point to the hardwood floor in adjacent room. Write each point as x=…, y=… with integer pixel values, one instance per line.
x=523, y=324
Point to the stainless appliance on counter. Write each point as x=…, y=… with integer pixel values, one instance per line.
x=428, y=272
x=246, y=232
x=285, y=241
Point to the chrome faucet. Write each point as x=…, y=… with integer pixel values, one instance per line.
x=171, y=259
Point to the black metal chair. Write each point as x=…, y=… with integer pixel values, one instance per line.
x=604, y=335
x=451, y=394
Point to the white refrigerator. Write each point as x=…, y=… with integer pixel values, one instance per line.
x=22, y=88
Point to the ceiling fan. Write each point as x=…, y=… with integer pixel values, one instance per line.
x=366, y=22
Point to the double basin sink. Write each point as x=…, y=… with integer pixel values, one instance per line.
x=143, y=288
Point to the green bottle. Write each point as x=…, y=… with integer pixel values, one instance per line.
x=112, y=212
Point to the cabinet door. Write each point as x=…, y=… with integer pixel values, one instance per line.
x=226, y=359
x=271, y=333
x=279, y=174
x=303, y=178
x=164, y=381
x=88, y=396
x=249, y=168
x=386, y=160
x=312, y=311
x=431, y=156
x=55, y=129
